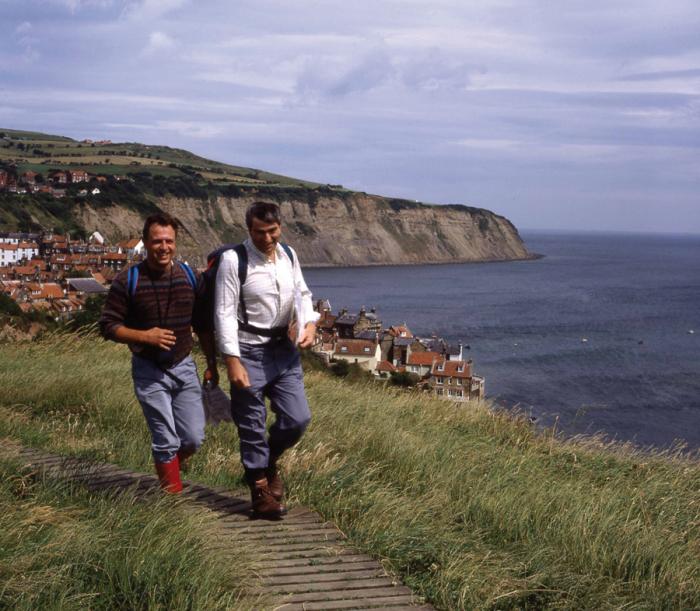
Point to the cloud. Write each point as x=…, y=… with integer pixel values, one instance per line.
x=76, y=5
x=450, y=101
x=662, y=75
x=151, y=9
x=337, y=76
x=157, y=42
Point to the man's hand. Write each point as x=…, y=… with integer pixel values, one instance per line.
x=211, y=374
x=237, y=374
x=308, y=337
x=161, y=338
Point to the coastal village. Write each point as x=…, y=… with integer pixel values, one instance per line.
x=54, y=182
x=55, y=275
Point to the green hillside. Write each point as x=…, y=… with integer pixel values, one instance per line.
x=41, y=152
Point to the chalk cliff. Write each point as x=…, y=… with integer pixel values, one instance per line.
x=335, y=229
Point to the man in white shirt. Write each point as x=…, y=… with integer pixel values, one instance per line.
x=253, y=333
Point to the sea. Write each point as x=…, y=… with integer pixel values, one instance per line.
x=599, y=336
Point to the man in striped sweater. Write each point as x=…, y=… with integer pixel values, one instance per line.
x=253, y=333
x=152, y=308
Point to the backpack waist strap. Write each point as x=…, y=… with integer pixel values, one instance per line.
x=274, y=332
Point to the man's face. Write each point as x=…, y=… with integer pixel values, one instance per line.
x=160, y=246
x=265, y=235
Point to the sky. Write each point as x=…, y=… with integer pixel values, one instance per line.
x=575, y=114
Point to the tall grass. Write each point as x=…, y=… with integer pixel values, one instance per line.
x=474, y=509
x=62, y=548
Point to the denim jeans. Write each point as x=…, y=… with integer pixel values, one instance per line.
x=274, y=371
x=171, y=400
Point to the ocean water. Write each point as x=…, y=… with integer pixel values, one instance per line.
x=595, y=336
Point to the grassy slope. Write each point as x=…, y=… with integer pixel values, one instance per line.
x=473, y=509
x=62, y=548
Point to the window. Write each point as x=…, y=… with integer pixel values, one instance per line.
x=441, y=366
x=439, y=380
x=366, y=349
x=343, y=348
x=459, y=381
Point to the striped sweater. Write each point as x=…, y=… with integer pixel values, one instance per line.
x=160, y=300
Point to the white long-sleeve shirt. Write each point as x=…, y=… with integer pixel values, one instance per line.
x=268, y=291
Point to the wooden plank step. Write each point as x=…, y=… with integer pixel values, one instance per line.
x=366, y=593
x=310, y=569
x=305, y=551
x=264, y=534
x=304, y=562
x=313, y=586
x=277, y=542
x=386, y=602
x=397, y=608
x=344, y=576
x=289, y=521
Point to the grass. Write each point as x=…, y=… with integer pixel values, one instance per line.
x=62, y=548
x=473, y=509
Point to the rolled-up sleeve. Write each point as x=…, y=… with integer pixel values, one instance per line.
x=226, y=304
x=308, y=312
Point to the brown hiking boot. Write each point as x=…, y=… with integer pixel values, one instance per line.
x=264, y=504
x=275, y=483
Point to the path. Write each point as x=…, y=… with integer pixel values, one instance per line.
x=310, y=566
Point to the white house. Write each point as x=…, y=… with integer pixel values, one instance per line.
x=366, y=353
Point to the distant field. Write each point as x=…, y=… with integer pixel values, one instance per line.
x=66, y=153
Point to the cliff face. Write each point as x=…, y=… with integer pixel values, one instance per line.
x=336, y=230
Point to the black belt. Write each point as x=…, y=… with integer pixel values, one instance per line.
x=274, y=332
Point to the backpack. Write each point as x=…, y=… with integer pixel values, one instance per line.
x=213, y=260
x=132, y=278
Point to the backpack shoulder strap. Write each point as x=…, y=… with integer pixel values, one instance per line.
x=242, y=262
x=288, y=250
x=132, y=279
x=191, y=278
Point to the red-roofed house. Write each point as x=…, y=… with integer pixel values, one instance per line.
x=326, y=322
x=8, y=254
x=47, y=290
x=453, y=380
x=384, y=369
x=421, y=363
x=29, y=177
x=114, y=260
x=400, y=331
x=78, y=175
x=58, y=178
x=133, y=247
x=27, y=250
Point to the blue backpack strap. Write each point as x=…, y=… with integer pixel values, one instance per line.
x=132, y=279
x=192, y=279
x=288, y=250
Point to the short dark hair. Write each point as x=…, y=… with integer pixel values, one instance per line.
x=160, y=218
x=267, y=212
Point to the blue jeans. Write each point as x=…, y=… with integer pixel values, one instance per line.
x=274, y=371
x=172, y=405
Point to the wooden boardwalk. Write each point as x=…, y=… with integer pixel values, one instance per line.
x=306, y=564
